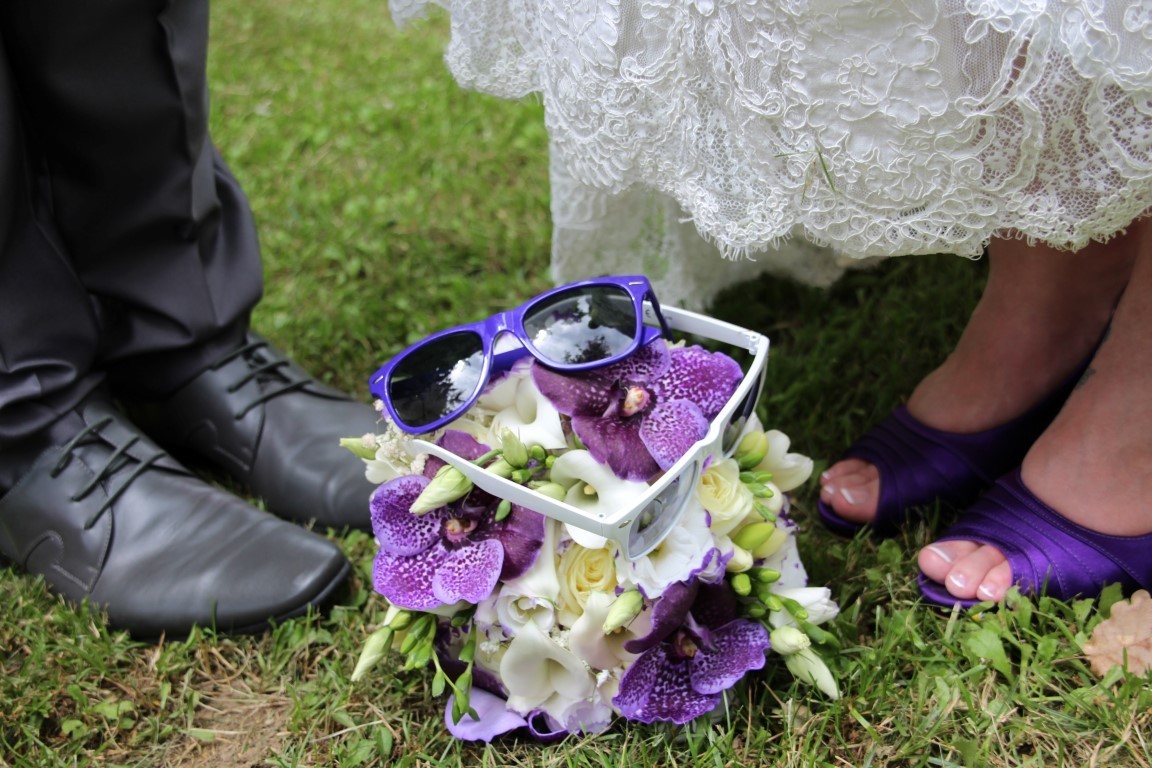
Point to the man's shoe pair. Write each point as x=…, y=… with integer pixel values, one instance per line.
x=110, y=517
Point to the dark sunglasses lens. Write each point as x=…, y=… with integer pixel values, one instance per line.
x=662, y=513
x=437, y=379
x=735, y=426
x=582, y=325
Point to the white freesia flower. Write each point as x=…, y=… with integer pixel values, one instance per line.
x=537, y=670
x=594, y=488
x=803, y=662
x=817, y=601
x=727, y=500
x=686, y=549
x=789, y=470
x=532, y=596
x=599, y=650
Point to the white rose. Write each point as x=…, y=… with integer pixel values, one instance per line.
x=581, y=573
x=727, y=500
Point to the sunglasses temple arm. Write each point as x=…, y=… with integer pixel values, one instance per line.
x=659, y=316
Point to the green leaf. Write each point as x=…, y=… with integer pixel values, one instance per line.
x=985, y=644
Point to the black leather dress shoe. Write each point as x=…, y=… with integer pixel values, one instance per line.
x=263, y=421
x=111, y=517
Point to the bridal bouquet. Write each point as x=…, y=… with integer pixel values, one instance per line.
x=531, y=623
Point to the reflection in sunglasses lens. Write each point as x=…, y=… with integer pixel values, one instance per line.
x=436, y=379
x=663, y=512
x=582, y=325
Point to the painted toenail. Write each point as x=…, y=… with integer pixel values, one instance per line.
x=987, y=592
x=848, y=497
x=826, y=475
x=939, y=553
x=827, y=490
x=958, y=580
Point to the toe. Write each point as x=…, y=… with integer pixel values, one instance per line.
x=936, y=560
x=995, y=583
x=969, y=571
x=852, y=490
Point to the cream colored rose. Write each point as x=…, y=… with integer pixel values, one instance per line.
x=583, y=571
x=727, y=500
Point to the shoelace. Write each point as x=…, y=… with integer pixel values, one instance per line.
x=268, y=371
x=119, y=458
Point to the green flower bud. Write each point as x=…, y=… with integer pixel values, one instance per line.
x=503, y=509
x=552, y=490
x=401, y=620
x=514, y=451
x=625, y=608
x=363, y=447
x=537, y=453
x=741, y=584
x=447, y=486
x=766, y=575
x=775, y=541
x=501, y=467
x=375, y=648
x=753, y=535
x=752, y=450
x=787, y=640
x=522, y=475
x=740, y=561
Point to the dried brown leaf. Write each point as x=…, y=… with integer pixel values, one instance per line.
x=1124, y=638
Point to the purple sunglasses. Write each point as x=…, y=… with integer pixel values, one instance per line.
x=582, y=325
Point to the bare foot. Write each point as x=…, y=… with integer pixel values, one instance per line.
x=1091, y=463
x=1039, y=317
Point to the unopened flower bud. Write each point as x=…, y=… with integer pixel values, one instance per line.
x=503, y=509
x=501, y=467
x=740, y=561
x=787, y=640
x=400, y=620
x=537, y=453
x=752, y=449
x=375, y=648
x=741, y=584
x=514, y=451
x=447, y=486
x=775, y=541
x=363, y=447
x=552, y=490
x=753, y=535
x=621, y=613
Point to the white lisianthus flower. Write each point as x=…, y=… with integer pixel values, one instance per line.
x=594, y=488
x=688, y=548
x=817, y=601
x=597, y=649
x=789, y=470
x=728, y=501
x=532, y=596
x=536, y=669
x=583, y=572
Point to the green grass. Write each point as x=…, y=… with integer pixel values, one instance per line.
x=391, y=203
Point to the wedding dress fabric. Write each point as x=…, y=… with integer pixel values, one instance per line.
x=767, y=129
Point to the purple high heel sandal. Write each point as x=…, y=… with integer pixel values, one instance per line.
x=919, y=465
x=1045, y=550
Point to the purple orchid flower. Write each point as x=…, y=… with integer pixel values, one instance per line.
x=697, y=649
x=640, y=415
x=457, y=552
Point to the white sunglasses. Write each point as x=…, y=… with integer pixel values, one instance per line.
x=638, y=529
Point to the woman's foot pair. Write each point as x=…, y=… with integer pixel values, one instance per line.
x=1041, y=315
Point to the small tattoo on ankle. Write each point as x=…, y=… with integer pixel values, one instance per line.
x=1084, y=378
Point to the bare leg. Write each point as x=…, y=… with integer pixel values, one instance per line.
x=1040, y=315
x=1091, y=464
